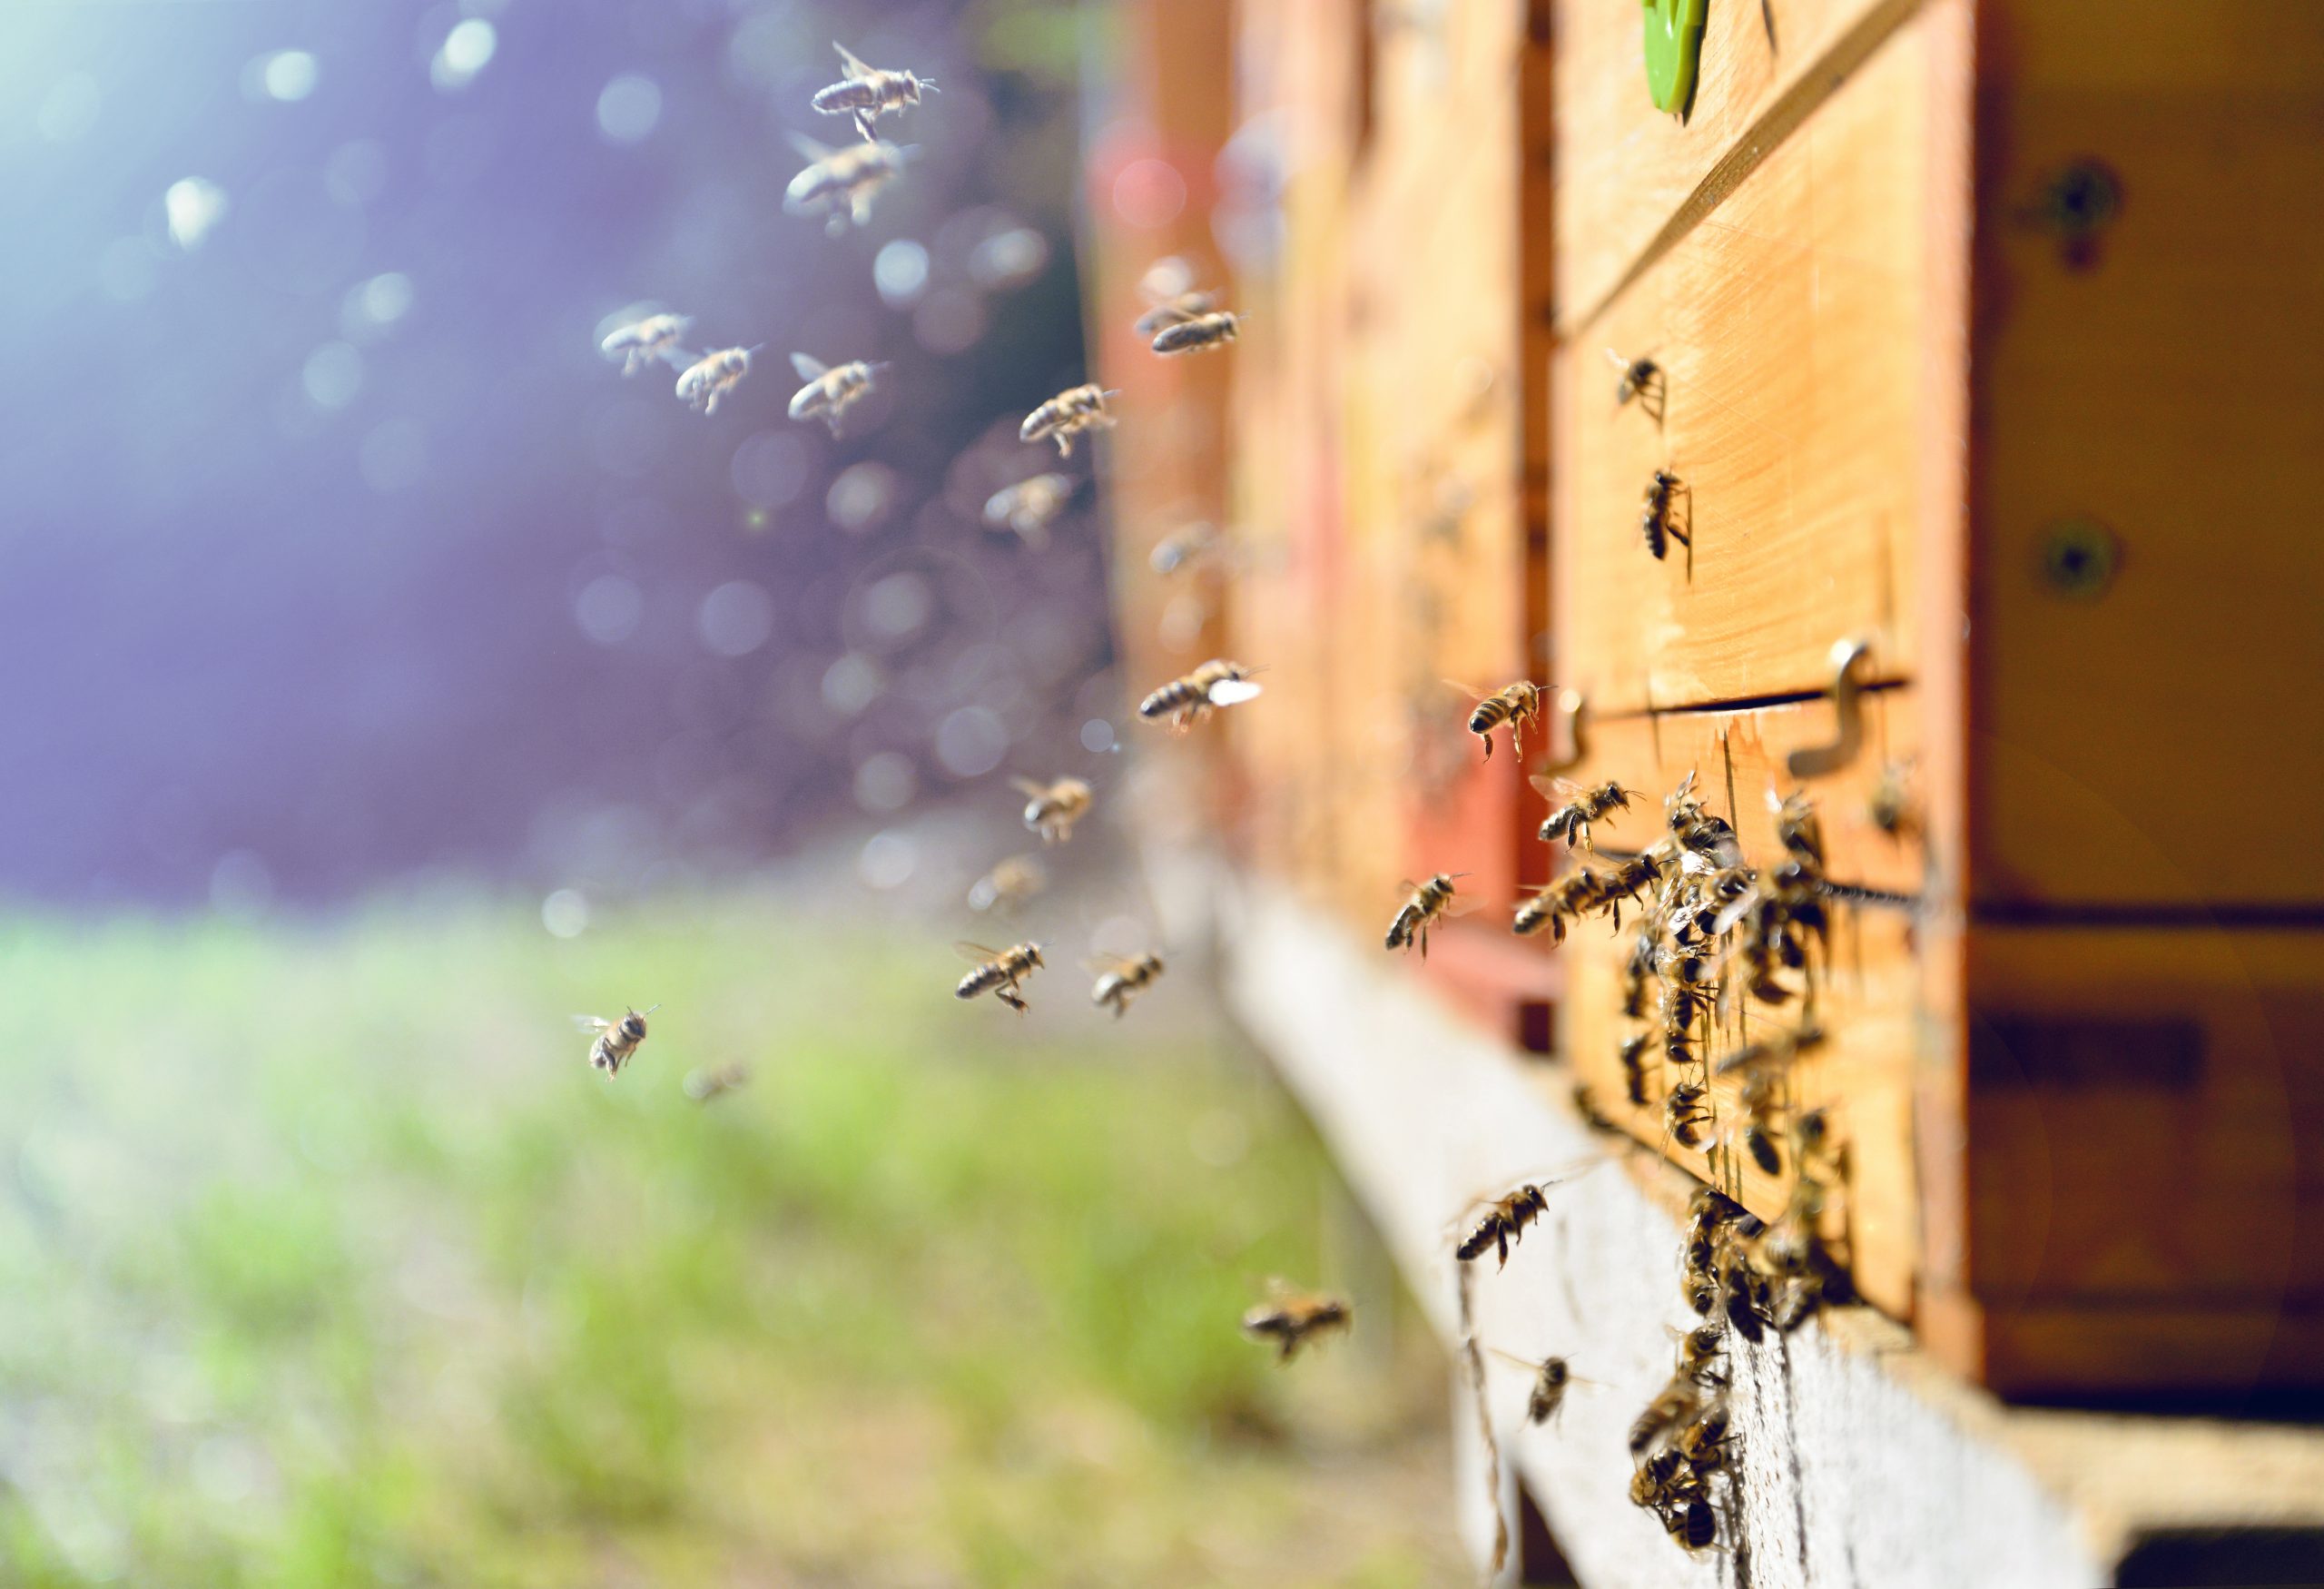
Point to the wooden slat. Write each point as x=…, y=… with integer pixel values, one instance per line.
x=2163, y=386
x=1625, y=169
x=1788, y=327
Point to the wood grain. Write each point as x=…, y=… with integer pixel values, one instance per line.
x=2165, y=388
x=1625, y=169
x=1787, y=325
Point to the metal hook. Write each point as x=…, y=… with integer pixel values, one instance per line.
x=1569, y=704
x=1815, y=761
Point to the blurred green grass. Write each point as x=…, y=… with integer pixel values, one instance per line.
x=326, y=1259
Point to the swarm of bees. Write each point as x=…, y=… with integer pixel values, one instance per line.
x=831, y=392
x=615, y=1041
x=867, y=93
x=1291, y=1318
x=1067, y=415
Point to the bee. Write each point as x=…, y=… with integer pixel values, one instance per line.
x=1009, y=883
x=1694, y=1525
x=1516, y=704
x=1702, y=1444
x=841, y=183
x=1758, y=1103
x=703, y=1086
x=1189, y=698
x=710, y=377
x=1682, y=1007
x=1504, y=1222
x=1654, y=520
x=1554, y=903
x=1028, y=508
x=1198, y=333
x=1662, y=1480
x=1185, y=548
x=866, y=93
x=1067, y=415
x=1426, y=905
x=640, y=342
x=1642, y=379
x=1684, y=1115
x=1801, y=835
x=1890, y=804
x=1585, y=1104
x=1631, y=1056
x=1583, y=805
x=1636, y=968
x=1627, y=881
x=1168, y=288
x=1552, y=1378
x=1742, y=1290
x=1699, y=1348
x=1291, y=1318
x=830, y=391
x=616, y=1040
x=1052, y=809
x=1122, y=980
x=1673, y=1407
x=1000, y=971
x=1696, y=829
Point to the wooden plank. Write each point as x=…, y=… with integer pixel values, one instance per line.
x=1788, y=328
x=2156, y=384
x=1625, y=169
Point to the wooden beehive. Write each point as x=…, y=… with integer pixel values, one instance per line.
x=1984, y=333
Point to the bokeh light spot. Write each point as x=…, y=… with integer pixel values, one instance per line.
x=769, y=469
x=288, y=75
x=332, y=375
x=193, y=205
x=886, y=782
x=608, y=608
x=887, y=860
x=970, y=742
x=1149, y=193
x=566, y=913
x=468, y=49
x=900, y=271
x=737, y=619
x=861, y=497
x=1098, y=736
x=629, y=108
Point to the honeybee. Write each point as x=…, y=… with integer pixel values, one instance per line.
x=1426, y=905
x=1185, y=548
x=1189, y=698
x=1198, y=333
x=1694, y=1524
x=867, y=92
x=710, y=377
x=1677, y=1403
x=1696, y=829
x=1168, y=287
x=1505, y=1220
x=1552, y=1378
x=1582, y=805
x=1757, y=1107
x=1631, y=1056
x=1684, y=1115
x=1009, y=883
x=1000, y=971
x=1067, y=415
x=704, y=1085
x=1052, y=809
x=841, y=183
x=1555, y=902
x=639, y=343
x=616, y=1040
x=1030, y=506
x=1796, y=829
x=1122, y=980
x=1516, y=704
x=1742, y=1290
x=1890, y=804
x=1698, y=1349
x=1291, y=1318
x=1642, y=379
x=1627, y=881
x=830, y=391
x=1654, y=520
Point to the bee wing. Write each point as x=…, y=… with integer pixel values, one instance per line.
x=1461, y=905
x=1113, y=962
x=677, y=358
x=593, y=1024
x=1029, y=787
x=1229, y=691
x=1466, y=688
x=976, y=952
x=809, y=149
x=809, y=368
x=848, y=65
x=1525, y=1363
x=1560, y=790
x=1161, y=316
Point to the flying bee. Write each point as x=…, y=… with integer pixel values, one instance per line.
x=1516, y=704
x=1122, y=978
x=1067, y=415
x=710, y=377
x=1631, y=1056
x=1189, y=698
x=616, y=1040
x=1554, y=903
x=1504, y=1222
x=1582, y=805
x=1654, y=519
x=1674, y=1405
x=1552, y=1378
x=1627, y=881
x=1052, y=809
x=1000, y=971
x=1011, y=881
x=866, y=93
x=1168, y=288
x=640, y=342
x=830, y=391
x=1425, y=905
x=1642, y=379
x=1198, y=333
x=1291, y=1318
x=841, y=183
x=1028, y=508
x=1696, y=829
x=1185, y=548
x=703, y=1086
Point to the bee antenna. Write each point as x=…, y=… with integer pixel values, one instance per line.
x=928, y=86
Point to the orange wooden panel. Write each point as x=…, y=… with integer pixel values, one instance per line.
x=2155, y=378
x=1788, y=328
x=1625, y=169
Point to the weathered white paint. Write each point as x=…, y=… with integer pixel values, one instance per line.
x=1853, y=1472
